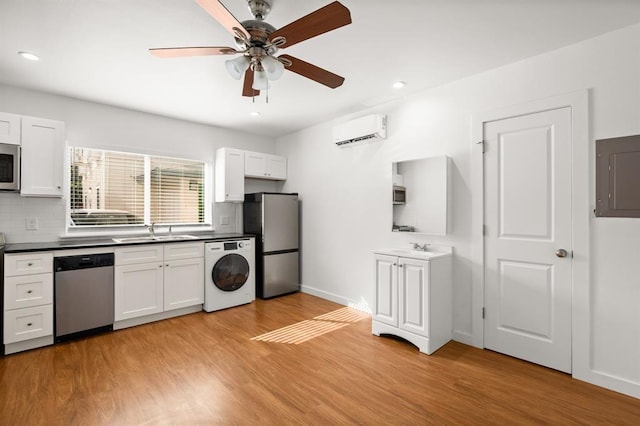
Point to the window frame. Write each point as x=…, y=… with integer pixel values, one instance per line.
x=135, y=229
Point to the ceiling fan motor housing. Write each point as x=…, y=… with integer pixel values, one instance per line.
x=259, y=8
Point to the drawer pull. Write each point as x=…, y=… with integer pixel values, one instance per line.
x=29, y=324
x=29, y=291
x=30, y=264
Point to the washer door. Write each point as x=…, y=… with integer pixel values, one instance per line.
x=230, y=272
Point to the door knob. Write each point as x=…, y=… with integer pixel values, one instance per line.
x=561, y=253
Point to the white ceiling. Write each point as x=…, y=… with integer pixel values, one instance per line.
x=97, y=50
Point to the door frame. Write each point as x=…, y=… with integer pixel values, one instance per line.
x=580, y=208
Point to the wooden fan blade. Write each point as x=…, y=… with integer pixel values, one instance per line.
x=247, y=90
x=175, y=52
x=323, y=20
x=224, y=17
x=313, y=72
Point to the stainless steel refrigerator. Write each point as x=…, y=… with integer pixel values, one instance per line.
x=273, y=219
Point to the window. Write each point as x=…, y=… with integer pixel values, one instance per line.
x=122, y=189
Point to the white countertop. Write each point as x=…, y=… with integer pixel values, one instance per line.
x=433, y=252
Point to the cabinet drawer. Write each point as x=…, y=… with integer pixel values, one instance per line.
x=28, y=323
x=28, y=263
x=183, y=251
x=28, y=290
x=142, y=253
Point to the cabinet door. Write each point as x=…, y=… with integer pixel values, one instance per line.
x=277, y=167
x=229, y=172
x=138, y=290
x=9, y=128
x=255, y=164
x=183, y=283
x=413, y=295
x=386, y=289
x=42, y=157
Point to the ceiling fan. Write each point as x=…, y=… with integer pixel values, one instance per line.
x=258, y=42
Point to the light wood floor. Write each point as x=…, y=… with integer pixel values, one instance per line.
x=204, y=369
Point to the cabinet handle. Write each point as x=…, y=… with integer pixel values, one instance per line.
x=29, y=291
x=401, y=265
x=167, y=265
x=29, y=264
x=29, y=324
x=159, y=266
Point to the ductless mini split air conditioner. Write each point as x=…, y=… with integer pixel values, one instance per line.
x=368, y=128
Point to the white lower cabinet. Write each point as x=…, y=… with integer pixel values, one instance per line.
x=138, y=290
x=183, y=275
x=28, y=301
x=155, y=278
x=413, y=300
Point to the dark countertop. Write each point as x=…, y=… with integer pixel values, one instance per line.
x=80, y=243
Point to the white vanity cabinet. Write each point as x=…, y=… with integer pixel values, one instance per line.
x=413, y=298
x=28, y=301
x=155, y=278
x=265, y=166
x=229, y=175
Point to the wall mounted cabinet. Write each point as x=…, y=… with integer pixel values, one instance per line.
x=9, y=128
x=265, y=166
x=42, y=157
x=233, y=165
x=229, y=175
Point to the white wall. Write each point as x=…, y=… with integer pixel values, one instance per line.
x=100, y=126
x=346, y=213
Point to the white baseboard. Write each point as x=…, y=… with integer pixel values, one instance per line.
x=335, y=298
x=463, y=337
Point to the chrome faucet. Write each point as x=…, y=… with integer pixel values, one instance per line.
x=152, y=229
x=419, y=247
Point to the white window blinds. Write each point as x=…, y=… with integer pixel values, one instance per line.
x=113, y=189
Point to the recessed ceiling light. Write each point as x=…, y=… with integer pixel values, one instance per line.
x=29, y=56
x=399, y=84
x=255, y=113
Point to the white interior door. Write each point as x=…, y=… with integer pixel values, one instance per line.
x=527, y=231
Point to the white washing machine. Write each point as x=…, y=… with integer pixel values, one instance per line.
x=230, y=273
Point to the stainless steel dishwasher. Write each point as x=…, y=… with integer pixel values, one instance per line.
x=83, y=295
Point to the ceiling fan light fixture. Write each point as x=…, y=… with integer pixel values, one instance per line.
x=273, y=67
x=260, y=81
x=237, y=66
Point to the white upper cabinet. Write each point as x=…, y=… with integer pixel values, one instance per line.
x=42, y=157
x=229, y=175
x=9, y=128
x=265, y=166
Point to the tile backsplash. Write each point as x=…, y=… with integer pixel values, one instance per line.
x=47, y=214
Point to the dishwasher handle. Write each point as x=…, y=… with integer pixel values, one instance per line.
x=70, y=263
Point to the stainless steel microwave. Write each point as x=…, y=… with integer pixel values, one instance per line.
x=9, y=167
x=399, y=194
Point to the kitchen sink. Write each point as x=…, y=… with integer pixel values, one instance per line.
x=412, y=253
x=176, y=237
